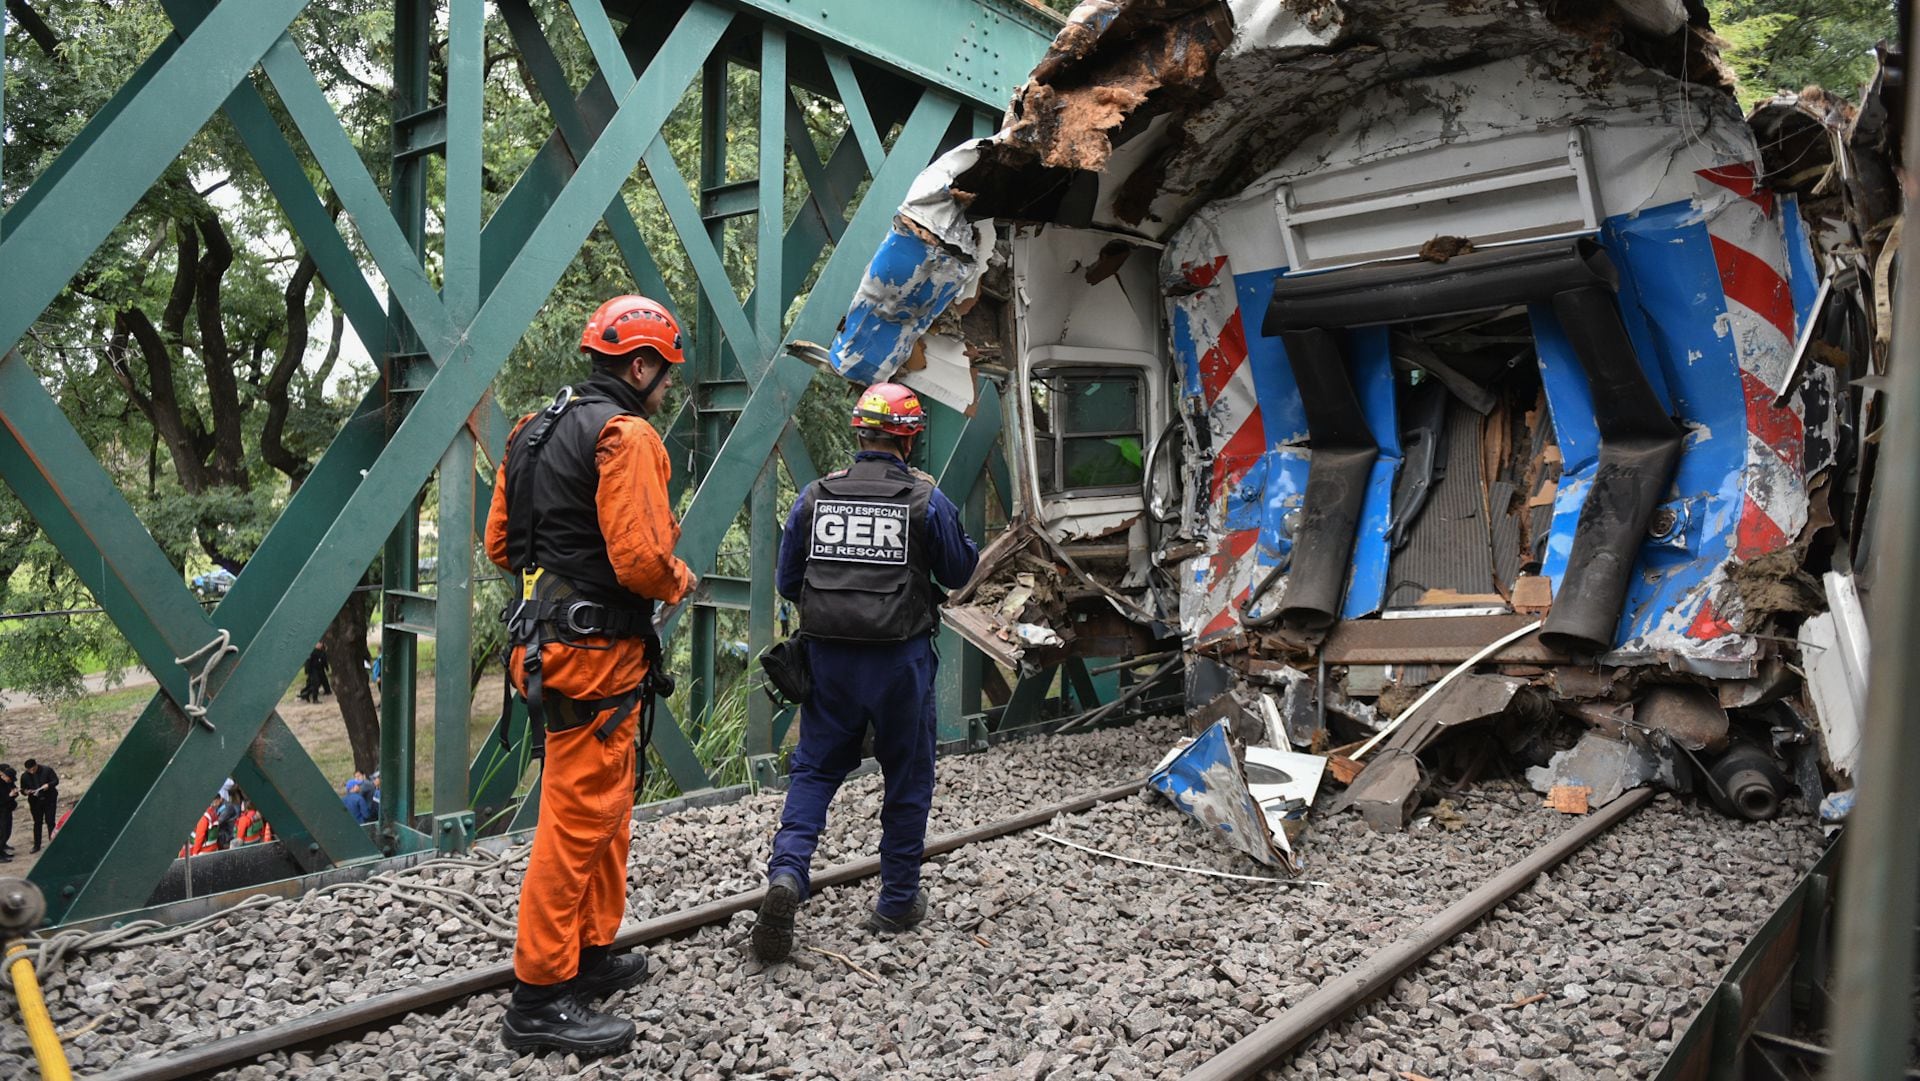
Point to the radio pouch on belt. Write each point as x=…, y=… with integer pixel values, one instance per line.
x=789, y=677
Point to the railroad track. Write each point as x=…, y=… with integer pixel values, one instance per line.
x=1265, y=1045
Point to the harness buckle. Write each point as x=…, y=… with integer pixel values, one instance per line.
x=580, y=618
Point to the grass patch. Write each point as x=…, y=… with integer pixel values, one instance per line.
x=717, y=747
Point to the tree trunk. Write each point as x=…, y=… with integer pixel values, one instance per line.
x=346, y=646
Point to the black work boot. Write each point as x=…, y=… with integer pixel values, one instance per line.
x=906, y=921
x=602, y=972
x=773, y=930
x=554, y=1018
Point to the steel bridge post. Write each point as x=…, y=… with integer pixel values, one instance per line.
x=710, y=423
x=400, y=559
x=453, y=822
x=1880, y=880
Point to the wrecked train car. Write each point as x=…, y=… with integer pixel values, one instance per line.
x=1405, y=365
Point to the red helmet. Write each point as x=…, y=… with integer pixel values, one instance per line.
x=626, y=323
x=890, y=408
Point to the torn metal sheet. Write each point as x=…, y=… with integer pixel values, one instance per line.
x=934, y=254
x=1610, y=767
x=981, y=629
x=1294, y=715
x=911, y=279
x=1473, y=698
x=1208, y=778
x=947, y=376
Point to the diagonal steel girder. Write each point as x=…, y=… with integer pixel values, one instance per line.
x=249, y=689
x=779, y=382
x=578, y=121
x=80, y=509
x=800, y=246
x=307, y=814
x=118, y=165
x=777, y=394
x=112, y=544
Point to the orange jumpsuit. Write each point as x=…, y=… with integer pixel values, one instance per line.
x=575, y=892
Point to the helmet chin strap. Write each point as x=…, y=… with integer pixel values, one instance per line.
x=659, y=376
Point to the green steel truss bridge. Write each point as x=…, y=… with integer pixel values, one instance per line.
x=941, y=76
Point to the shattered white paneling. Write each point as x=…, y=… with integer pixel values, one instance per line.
x=1834, y=648
x=948, y=376
x=930, y=202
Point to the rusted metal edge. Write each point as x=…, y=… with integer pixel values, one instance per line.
x=1431, y=640
x=1739, y=1000
x=370, y=1013
x=1266, y=1044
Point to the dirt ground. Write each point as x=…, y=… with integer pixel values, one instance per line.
x=77, y=738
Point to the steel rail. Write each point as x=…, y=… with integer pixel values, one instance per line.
x=1266, y=1044
x=370, y=1013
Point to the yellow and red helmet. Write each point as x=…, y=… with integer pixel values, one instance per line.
x=889, y=408
x=626, y=323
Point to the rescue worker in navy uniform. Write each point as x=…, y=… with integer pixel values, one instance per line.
x=582, y=516
x=860, y=550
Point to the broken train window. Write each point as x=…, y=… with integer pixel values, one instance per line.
x=1088, y=428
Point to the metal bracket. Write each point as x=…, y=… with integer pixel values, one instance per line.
x=977, y=732
x=452, y=833
x=765, y=771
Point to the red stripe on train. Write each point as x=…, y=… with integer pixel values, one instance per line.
x=1742, y=180
x=1753, y=282
x=1775, y=425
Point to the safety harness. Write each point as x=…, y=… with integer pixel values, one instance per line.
x=551, y=609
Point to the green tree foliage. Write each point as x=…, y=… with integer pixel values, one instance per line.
x=1778, y=45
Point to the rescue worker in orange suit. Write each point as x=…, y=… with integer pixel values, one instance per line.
x=581, y=515
x=862, y=548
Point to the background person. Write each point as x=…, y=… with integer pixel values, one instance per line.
x=9, y=802
x=42, y=788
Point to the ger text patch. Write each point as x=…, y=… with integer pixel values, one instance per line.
x=860, y=531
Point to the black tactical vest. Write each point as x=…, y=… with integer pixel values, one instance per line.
x=867, y=576
x=553, y=521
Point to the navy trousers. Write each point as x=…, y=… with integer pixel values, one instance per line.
x=888, y=689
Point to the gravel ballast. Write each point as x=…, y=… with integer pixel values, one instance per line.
x=1038, y=960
